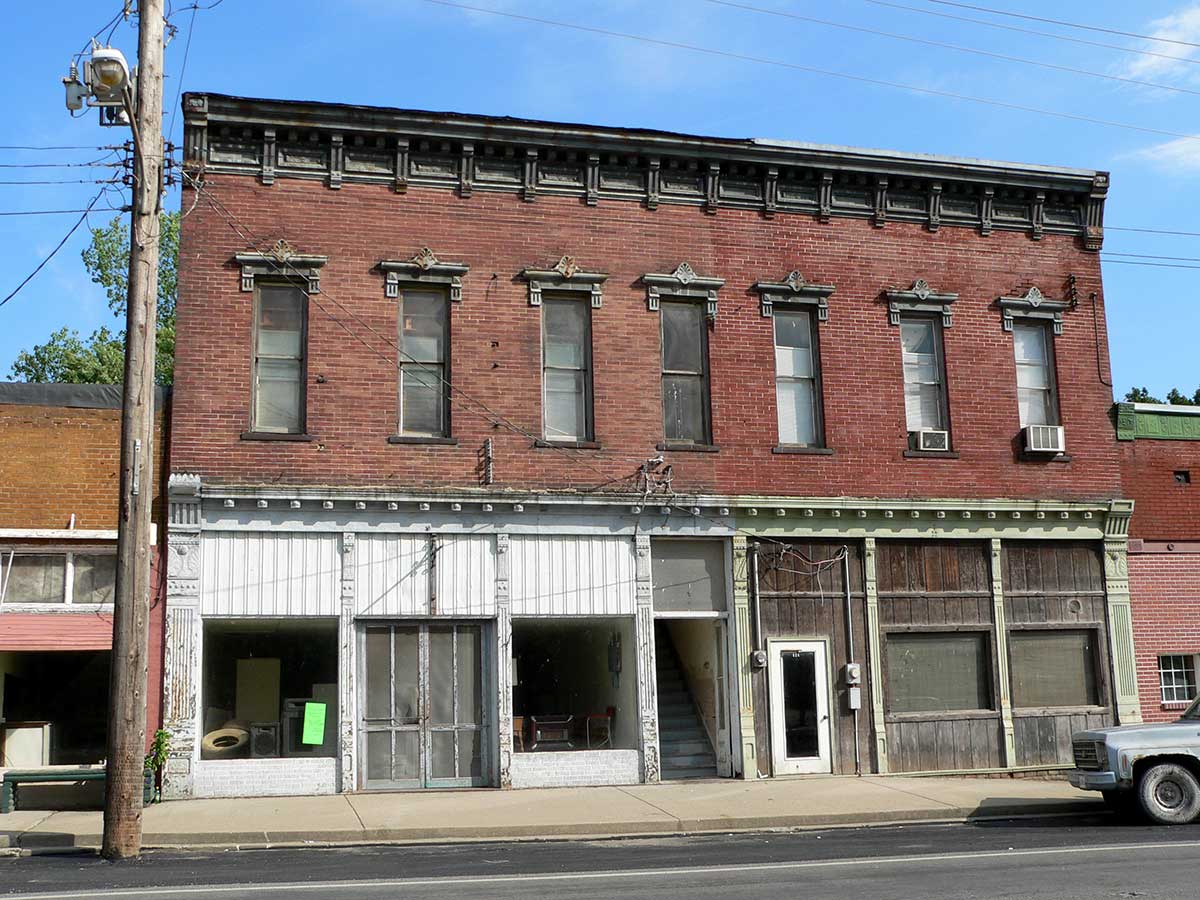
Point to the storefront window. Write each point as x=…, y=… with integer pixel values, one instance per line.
x=938, y=672
x=27, y=576
x=270, y=689
x=1053, y=668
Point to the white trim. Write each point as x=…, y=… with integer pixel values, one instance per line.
x=1167, y=408
x=58, y=534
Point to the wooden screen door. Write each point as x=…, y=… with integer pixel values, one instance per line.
x=800, y=724
x=423, y=722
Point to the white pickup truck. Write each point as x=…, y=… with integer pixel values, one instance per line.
x=1152, y=767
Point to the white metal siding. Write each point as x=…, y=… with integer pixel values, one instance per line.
x=392, y=575
x=572, y=575
x=269, y=574
x=466, y=575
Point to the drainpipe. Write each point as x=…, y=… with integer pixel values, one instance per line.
x=753, y=551
x=850, y=649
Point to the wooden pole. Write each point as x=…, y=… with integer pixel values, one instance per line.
x=131, y=618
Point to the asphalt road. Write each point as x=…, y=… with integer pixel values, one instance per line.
x=1064, y=860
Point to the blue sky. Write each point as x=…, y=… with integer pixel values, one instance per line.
x=412, y=53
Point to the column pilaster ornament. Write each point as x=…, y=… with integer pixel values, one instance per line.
x=347, y=657
x=647, y=673
x=875, y=655
x=743, y=636
x=1000, y=623
x=1120, y=613
x=504, y=715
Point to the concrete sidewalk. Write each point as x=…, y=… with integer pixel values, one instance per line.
x=724, y=805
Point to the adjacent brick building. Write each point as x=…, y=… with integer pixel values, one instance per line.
x=1160, y=448
x=736, y=426
x=59, y=479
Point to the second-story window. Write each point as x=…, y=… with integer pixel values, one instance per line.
x=279, y=344
x=924, y=375
x=796, y=394
x=423, y=382
x=566, y=369
x=685, y=373
x=1034, y=349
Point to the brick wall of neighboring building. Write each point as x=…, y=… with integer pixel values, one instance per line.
x=1165, y=588
x=495, y=344
x=1166, y=509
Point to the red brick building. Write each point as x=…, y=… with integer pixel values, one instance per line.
x=59, y=475
x=1160, y=457
x=803, y=453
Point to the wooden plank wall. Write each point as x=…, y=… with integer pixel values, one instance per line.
x=929, y=586
x=795, y=604
x=1057, y=585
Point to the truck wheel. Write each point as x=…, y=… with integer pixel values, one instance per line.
x=1169, y=794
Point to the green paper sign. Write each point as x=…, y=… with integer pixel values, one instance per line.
x=314, y=724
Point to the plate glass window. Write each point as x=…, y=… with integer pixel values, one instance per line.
x=1177, y=678
x=566, y=369
x=796, y=394
x=685, y=373
x=279, y=359
x=423, y=333
x=924, y=375
x=1034, y=351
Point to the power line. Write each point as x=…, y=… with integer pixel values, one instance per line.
x=61, y=181
x=1150, y=256
x=66, y=237
x=187, y=49
x=862, y=79
x=1152, y=231
x=65, y=147
x=1150, y=265
x=1046, y=34
x=1063, y=23
x=956, y=47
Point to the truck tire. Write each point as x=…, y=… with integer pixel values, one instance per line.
x=1169, y=794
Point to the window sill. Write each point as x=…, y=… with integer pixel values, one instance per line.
x=1024, y=712
x=931, y=454
x=276, y=436
x=802, y=450
x=568, y=445
x=1026, y=456
x=686, y=447
x=942, y=714
x=422, y=439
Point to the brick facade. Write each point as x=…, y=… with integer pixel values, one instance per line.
x=1166, y=619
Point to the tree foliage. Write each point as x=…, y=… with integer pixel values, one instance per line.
x=100, y=358
x=1175, y=397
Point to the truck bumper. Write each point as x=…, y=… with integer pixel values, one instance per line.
x=1093, y=781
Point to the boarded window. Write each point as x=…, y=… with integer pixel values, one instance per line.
x=924, y=375
x=1034, y=350
x=689, y=576
x=279, y=359
x=566, y=365
x=938, y=672
x=423, y=331
x=1053, y=668
x=796, y=395
x=685, y=373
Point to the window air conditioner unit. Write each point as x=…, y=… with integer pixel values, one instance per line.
x=933, y=440
x=1045, y=439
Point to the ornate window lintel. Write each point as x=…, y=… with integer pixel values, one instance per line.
x=794, y=290
x=1034, y=305
x=920, y=298
x=564, y=276
x=684, y=284
x=423, y=268
x=282, y=259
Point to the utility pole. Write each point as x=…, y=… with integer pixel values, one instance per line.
x=131, y=618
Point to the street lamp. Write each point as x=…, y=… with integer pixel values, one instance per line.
x=106, y=84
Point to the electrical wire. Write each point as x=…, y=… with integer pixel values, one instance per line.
x=1152, y=230
x=1046, y=34
x=1148, y=256
x=65, y=147
x=28, y=278
x=1063, y=23
x=61, y=181
x=956, y=47
x=187, y=48
x=847, y=76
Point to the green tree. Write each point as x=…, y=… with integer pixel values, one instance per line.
x=1140, y=395
x=1175, y=397
x=100, y=358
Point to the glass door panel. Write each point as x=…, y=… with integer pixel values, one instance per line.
x=800, y=724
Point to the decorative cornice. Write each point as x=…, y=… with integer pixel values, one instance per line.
x=794, y=290
x=1157, y=422
x=1033, y=305
x=920, y=298
x=339, y=144
x=282, y=259
x=565, y=275
x=683, y=283
x=423, y=268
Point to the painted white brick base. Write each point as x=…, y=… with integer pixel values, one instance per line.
x=576, y=768
x=264, y=777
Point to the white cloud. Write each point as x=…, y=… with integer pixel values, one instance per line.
x=1182, y=25
x=1179, y=157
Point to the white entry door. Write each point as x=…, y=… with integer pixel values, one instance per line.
x=800, y=726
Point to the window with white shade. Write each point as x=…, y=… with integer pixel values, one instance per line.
x=924, y=375
x=1034, y=350
x=796, y=386
x=566, y=369
x=279, y=339
x=423, y=333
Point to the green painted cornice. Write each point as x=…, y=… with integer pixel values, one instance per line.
x=1157, y=422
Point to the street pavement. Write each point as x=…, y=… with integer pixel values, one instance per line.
x=1094, y=857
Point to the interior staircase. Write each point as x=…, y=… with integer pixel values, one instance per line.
x=683, y=744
